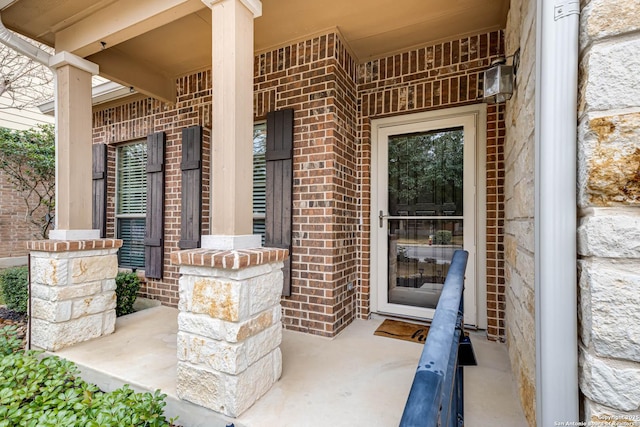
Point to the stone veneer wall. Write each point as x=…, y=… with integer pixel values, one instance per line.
x=609, y=210
x=229, y=329
x=73, y=286
x=434, y=77
x=519, y=205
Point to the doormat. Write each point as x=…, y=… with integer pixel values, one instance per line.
x=403, y=331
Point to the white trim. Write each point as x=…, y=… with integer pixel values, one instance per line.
x=22, y=46
x=254, y=6
x=228, y=243
x=117, y=182
x=109, y=91
x=473, y=118
x=6, y=3
x=117, y=216
x=105, y=92
x=74, y=234
x=67, y=58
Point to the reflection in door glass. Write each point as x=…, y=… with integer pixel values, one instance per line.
x=425, y=173
x=425, y=184
x=420, y=252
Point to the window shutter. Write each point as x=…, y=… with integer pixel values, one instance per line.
x=99, y=160
x=153, y=241
x=190, y=229
x=279, y=157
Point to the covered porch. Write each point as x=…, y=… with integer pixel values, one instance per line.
x=355, y=379
x=201, y=75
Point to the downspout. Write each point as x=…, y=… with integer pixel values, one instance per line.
x=557, y=392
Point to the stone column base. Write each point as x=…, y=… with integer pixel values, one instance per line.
x=229, y=329
x=73, y=295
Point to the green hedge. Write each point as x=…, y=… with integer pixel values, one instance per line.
x=14, y=283
x=127, y=287
x=15, y=288
x=38, y=391
x=442, y=237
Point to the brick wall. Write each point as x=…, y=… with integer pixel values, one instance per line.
x=496, y=294
x=15, y=228
x=333, y=100
x=317, y=79
x=434, y=77
x=132, y=121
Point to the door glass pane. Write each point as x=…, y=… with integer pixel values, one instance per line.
x=420, y=252
x=425, y=173
x=425, y=183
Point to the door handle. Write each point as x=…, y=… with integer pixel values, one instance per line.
x=381, y=217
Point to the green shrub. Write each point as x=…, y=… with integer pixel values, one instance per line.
x=442, y=237
x=9, y=341
x=15, y=288
x=38, y=391
x=127, y=287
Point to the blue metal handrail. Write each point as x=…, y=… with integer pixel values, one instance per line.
x=435, y=398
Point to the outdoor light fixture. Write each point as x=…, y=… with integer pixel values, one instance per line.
x=499, y=80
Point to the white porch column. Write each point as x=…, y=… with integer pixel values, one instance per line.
x=231, y=146
x=73, y=147
x=73, y=296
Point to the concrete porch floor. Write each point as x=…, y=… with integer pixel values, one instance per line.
x=355, y=379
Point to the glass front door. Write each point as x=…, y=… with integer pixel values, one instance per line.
x=425, y=213
x=426, y=204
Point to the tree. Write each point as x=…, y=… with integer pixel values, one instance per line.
x=426, y=164
x=24, y=83
x=27, y=157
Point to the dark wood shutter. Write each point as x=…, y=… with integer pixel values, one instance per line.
x=191, y=211
x=279, y=158
x=99, y=160
x=153, y=239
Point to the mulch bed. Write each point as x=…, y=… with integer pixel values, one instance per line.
x=10, y=317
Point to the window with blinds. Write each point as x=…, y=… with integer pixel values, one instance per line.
x=131, y=203
x=259, y=178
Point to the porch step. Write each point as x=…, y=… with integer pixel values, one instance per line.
x=188, y=414
x=142, y=353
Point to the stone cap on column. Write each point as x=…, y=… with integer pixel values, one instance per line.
x=229, y=259
x=73, y=245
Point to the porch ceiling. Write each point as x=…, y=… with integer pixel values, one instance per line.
x=147, y=43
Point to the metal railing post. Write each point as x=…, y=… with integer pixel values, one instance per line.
x=436, y=396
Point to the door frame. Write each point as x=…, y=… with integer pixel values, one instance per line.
x=479, y=114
